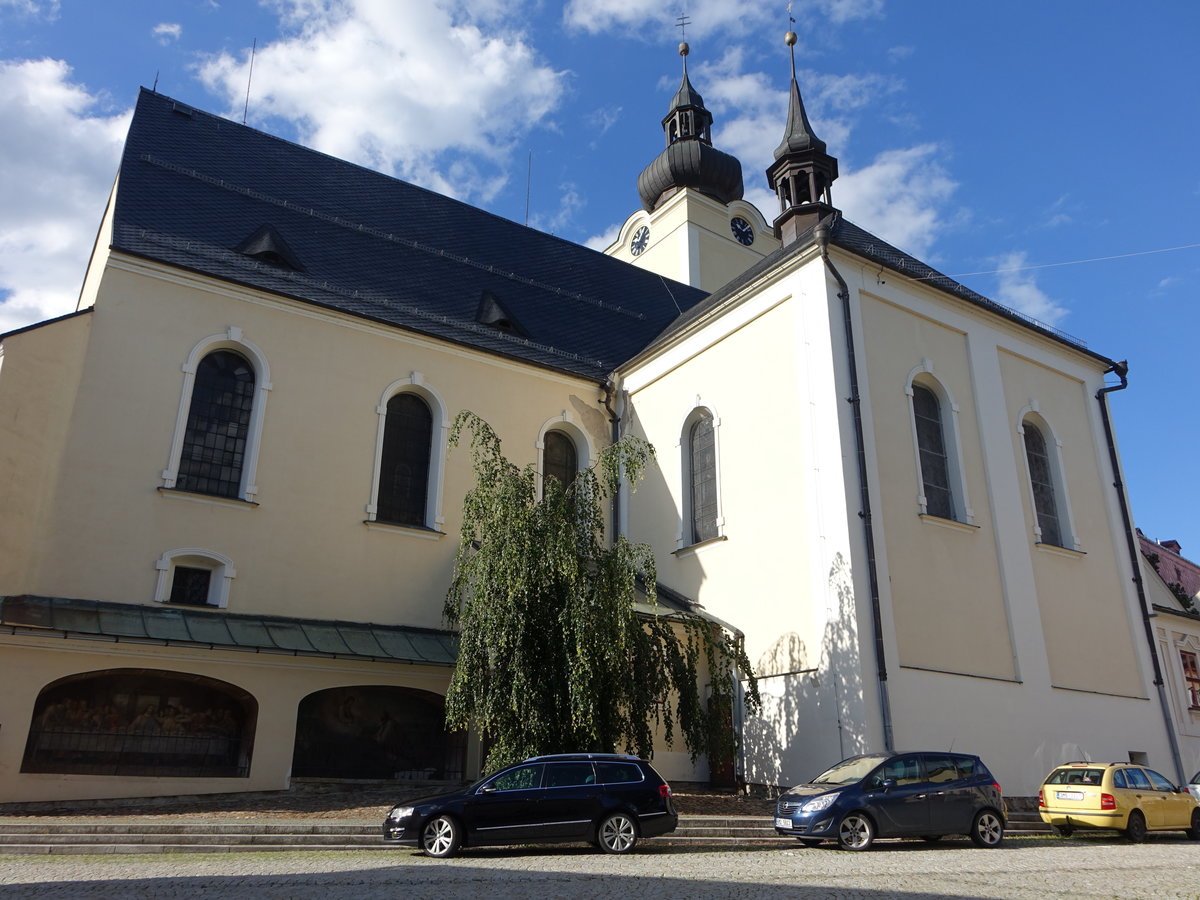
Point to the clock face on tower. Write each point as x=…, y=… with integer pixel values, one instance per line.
x=641, y=240
x=742, y=230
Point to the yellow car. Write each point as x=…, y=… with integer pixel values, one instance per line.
x=1118, y=797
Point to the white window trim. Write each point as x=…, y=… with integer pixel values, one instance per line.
x=1062, y=500
x=683, y=449
x=439, y=433
x=220, y=565
x=960, y=498
x=231, y=339
x=568, y=425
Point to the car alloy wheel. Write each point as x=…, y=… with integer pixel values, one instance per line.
x=988, y=829
x=1135, y=830
x=441, y=837
x=1193, y=833
x=617, y=834
x=855, y=832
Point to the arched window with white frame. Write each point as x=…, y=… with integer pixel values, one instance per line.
x=942, y=489
x=702, y=518
x=563, y=449
x=218, y=426
x=193, y=576
x=1047, y=486
x=409, y=456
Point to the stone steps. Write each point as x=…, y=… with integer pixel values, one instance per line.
x=22, y=837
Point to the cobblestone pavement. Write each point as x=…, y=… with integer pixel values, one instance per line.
x=953, y=870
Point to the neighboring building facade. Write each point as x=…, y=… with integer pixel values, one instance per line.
x=1172, y=583
x=231, y=512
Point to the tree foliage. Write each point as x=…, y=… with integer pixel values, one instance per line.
x=553, y=656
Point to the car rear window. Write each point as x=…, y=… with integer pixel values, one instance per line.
x=940, y=769
x=617, y=773
x=1076, y=776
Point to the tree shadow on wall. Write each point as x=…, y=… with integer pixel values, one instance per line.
x=813, y=710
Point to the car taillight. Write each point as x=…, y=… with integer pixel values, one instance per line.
x=996, y=785
x=664, y=790
x=1108, y=801
x=1041, y=799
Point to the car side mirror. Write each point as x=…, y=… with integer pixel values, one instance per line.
x=888, y=784
x=490, y=789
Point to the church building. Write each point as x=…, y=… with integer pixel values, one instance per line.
x=230, y=512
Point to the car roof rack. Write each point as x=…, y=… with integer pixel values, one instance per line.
x=548, y=756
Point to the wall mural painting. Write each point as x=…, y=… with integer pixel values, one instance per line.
x=142, y=722
x=376, y=732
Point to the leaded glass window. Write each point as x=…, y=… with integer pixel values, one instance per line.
x=404, y=469
x=935, y=469
x=189, y=586
x=1042, y=479
x=559, y=458
x=703, y=457
x=218, y=426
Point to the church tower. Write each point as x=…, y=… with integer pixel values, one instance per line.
x=803, y=170
x=694, y=225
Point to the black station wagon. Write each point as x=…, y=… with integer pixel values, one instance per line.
x=609, y=800
x=924, y=795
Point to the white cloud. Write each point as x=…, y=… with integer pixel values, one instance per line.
x=166, y=32
x=1018, y=289
x=415, y=88
x=900, y=197
x=570, y=202
x=47, y=9
x=604, y=239
x=725, y=17
x=57, y=163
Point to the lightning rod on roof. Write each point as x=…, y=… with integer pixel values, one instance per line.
x=155, y=88
x=528, y=183
x=249, y=75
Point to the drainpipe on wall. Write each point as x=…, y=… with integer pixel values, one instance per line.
x=821, y=233
x=1121, y=370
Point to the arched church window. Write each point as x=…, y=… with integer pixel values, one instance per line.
x=703, y=487
x=218, y=426
x=404, y=466
x=931, y=444
x=559, y=458
x=1043, y=484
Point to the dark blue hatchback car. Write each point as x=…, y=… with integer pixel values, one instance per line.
x=925, y=795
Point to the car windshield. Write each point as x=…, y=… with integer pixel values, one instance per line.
x=849, y=771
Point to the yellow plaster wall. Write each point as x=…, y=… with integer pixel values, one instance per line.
x=945, y=586
x=304, y=550
x=1088, y=627
x=40, y=370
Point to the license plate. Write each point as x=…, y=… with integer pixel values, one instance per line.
x=1069, y=795
x=783, y=823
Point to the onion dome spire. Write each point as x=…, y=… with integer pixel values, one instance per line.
x=689, y=160
x=803, y=169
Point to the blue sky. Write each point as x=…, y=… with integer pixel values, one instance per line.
x=1004, y=143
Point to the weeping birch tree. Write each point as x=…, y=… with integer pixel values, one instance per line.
x=553, y=654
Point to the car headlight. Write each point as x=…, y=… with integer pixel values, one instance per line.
x=816, y=804
x=400, y=812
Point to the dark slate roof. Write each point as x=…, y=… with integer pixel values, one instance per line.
x=194, y=187
x=177, y=626
x=862, y=243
